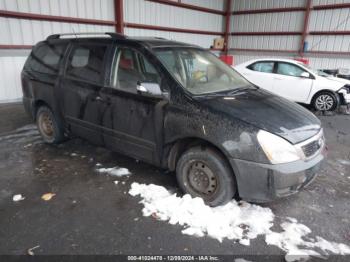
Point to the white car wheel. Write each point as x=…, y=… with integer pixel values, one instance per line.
x=325, y=102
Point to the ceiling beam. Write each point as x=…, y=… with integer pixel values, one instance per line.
x=265, y=33
x=188, y=6
x=291, y=9
x=172, y=29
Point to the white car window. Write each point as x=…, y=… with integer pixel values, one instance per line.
x=289, y=69
x=265, y=67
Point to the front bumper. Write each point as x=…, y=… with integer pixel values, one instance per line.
x=266, y=182
x=344, y=96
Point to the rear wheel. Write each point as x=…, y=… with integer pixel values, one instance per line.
x=204, y=173
x=49, y=128
x=325, y=101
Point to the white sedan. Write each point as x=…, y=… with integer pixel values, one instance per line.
x=297, y=82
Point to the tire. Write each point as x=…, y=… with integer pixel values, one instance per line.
x=50, y=129
x=325, y=101
x=204, y=173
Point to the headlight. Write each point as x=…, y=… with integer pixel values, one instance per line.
x=345, y=89
x=277, y=149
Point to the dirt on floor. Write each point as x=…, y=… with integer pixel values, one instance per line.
x=89, y=214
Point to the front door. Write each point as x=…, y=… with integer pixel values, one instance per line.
x=289, y=82
x=80, y=86
x=133, y=123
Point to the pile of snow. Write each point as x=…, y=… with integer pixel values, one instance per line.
x=115, y=171
x=295, y=241
x=239, y=221
x=232, y=221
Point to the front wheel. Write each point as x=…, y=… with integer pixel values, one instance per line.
x=50, y=129
x=204, y=173
x=325, y=101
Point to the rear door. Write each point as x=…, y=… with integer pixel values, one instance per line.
x=83, y=78
x=261, y=74
x=133, y=123
x=290, y=84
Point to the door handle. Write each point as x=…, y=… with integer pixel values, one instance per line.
x=102, y=100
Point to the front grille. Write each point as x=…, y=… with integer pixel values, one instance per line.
x=311, y=148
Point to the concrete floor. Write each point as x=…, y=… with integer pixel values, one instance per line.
x=91, y=215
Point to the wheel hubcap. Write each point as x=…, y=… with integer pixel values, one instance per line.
x=46, y=124
x=201, y=178
x=324, y=102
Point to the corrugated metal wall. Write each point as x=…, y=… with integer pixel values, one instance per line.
x=320, y=20
x=319, y=62
x=329, y=20
x=150, y=13
x=28, y=32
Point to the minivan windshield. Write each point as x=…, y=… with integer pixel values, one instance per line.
x=199, y=71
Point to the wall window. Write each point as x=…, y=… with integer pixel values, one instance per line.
x=131, y=67
x=264, y=67
x=289, y=69
x=86, y=62
x=46, y=58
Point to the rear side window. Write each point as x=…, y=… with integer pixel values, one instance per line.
x=86, y=62
x=264, y=67
x=46, y=58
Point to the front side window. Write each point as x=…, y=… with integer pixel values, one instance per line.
x=289, y=69
x=264, y=67
x=131, y=67
x=199, y=71
x=86, y=62
x=46, y=58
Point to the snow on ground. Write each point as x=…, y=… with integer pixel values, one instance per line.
x=344, y=162
x=115, y=171
x=18, y=197
x=239, y=221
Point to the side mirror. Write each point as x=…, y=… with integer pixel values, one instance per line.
x=152, y=89
x=305, y=75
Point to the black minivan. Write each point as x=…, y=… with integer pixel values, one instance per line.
x=176, y=106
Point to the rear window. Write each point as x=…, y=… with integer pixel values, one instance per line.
x=46, y=58
x=264, y=67
x=86, y=62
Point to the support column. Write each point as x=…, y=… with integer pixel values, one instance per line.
x=227, y=24
x=306, y=26
x=119, y=16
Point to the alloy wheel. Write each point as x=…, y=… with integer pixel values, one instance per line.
x=324, y=102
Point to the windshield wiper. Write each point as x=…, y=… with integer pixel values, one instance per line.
x=221, y=94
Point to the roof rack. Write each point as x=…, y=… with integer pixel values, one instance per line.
x=112, y=35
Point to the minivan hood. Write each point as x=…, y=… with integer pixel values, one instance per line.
x=268, y=112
